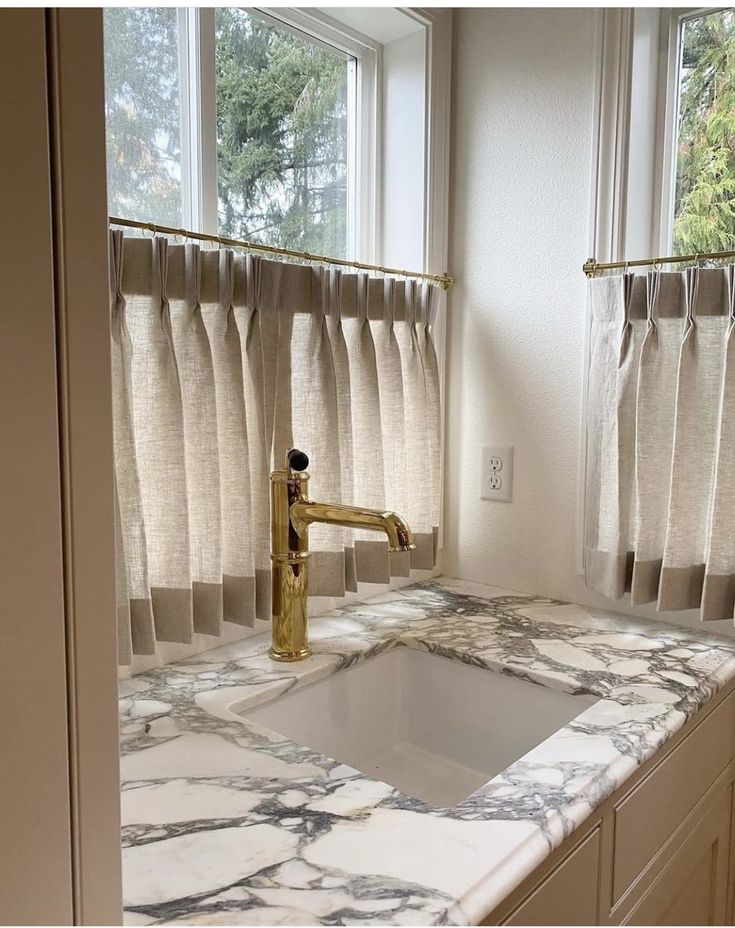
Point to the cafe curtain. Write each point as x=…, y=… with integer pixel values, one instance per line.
x=660, y=501
x=223, y=361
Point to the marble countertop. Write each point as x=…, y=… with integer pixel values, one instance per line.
x=225, y=823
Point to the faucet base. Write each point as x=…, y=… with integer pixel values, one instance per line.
x=277, y=654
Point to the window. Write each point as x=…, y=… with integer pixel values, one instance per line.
x=284, y=119
x=323, y=130
x=704, y=200
x=665, y=179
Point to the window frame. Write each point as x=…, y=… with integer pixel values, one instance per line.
x=635, y=132
x=362, y=172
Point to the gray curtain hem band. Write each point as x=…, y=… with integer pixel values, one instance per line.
x=371, y=560
x=645, y=583
x=238, y=599
x=172, y=614
x=262, y=594
x=142, y=632
x=124, y=637
x=399, y=563
x=422, y=557
x=327, y=574
x=680, y=588
x=208, y=608
x=718, y=597
x=350, y=570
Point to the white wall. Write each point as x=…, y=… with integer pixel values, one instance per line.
x=524, y=85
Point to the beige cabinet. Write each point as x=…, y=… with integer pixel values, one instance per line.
x=692, y=888
x=569, y=893
x=658, y=852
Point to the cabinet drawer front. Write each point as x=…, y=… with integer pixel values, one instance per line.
x=645, y=819
x=568, y=895
x=692, y=888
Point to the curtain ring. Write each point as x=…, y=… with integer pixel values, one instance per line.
x=149, y=227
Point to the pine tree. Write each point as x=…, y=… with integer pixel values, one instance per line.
x=142, y=114
x=282, y=136
x=705, y=182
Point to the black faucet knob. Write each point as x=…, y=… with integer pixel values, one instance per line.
x=297, y=460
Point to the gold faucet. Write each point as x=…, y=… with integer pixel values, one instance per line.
x=291, y=515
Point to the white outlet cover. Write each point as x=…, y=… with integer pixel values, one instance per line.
x=496, y=473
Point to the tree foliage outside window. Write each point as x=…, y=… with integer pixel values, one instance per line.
x=282, y=128
x=282, y=136
x=143, y=114
x=705, y=167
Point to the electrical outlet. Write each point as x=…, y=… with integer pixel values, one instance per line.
x=496, y=474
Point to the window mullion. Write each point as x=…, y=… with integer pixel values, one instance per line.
x=207, y=119
x=353, y=141
x=186, y=103
x=198, y=119
x=365, y=159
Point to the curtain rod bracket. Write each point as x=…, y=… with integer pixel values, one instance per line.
x=591, y=268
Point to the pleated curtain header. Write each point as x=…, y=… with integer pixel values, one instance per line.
x=222, y=276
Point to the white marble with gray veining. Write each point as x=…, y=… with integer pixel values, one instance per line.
x=226, y=823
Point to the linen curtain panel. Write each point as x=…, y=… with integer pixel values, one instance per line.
x=221, y=363
x=660, y=504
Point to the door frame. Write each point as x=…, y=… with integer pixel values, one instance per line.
x=35, y=876
x=78, y=171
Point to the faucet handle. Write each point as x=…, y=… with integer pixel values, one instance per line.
x=297, y=460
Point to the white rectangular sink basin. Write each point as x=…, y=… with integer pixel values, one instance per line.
x=435, y=728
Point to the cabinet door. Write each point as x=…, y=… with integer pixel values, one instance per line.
x=692, y=888
x=652, y=812
x=568, y=895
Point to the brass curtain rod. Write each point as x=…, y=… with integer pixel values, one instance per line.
x=444, y=280
x=592, y=268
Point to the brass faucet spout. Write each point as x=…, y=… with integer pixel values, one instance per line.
x=400, y=538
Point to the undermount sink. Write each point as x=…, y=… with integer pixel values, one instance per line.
x=435, y=728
